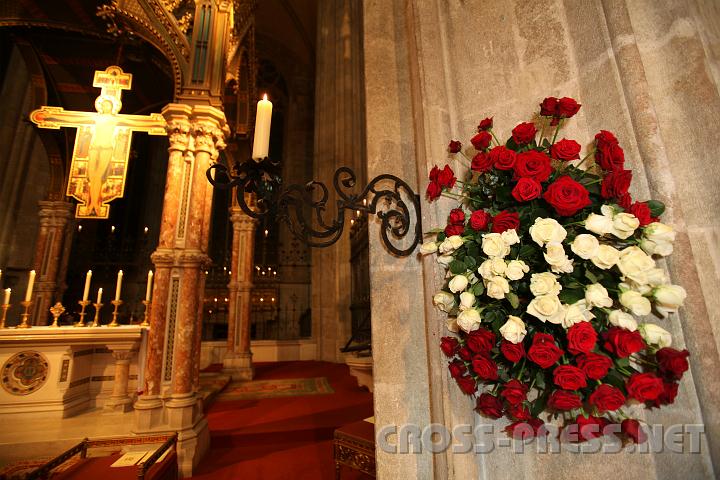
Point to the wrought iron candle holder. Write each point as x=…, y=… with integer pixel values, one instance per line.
x=5, y=307
x=25, y=315
x=96, y=320
x=83, y=305
x=146, y=322
x=302, y=207
x=56, y=311
x=116, y=304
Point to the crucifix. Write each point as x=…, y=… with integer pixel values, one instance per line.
x=102, y=143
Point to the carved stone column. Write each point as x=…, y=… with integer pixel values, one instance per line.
x=54, y=217
x=238, y=359
x=120, y=401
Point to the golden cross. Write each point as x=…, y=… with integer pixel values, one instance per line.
x=102, y=143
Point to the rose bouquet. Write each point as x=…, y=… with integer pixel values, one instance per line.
x=549, y=262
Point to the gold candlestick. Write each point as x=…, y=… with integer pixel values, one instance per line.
x=5, y=307
x=26, y=314
x=116, y=304
x=56, y=311
x=96, y=320
x=145, y=322
x=83, y=305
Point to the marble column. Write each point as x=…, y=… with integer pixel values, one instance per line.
x=238, y=360
x=119, y=400
x=49, y=249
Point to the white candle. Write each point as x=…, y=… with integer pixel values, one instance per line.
x=149, y=286
x=6, y=301
x=118, y=287
x=261, y=142
x=99, y=299
x=86, y=292
x=31, y=283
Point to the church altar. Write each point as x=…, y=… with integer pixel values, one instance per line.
x=63, y=371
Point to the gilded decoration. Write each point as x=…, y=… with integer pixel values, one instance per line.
x=24, y=373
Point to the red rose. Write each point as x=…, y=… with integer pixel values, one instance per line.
x=524, y=133
x=485, y=124
x=581, y=338
x=567, y=196
x=434, y=173
x=616, y=184
x=454, y=146
x=514, y=392
x=543, y=351
x=610, y=157
x=485, y=367
x=512, y=351
x=533, y=164
x=634, y=430
x=489, y=405
x=457, y=369
x=457, y=216
x=527, y=189
x=502, y=158
x=642, y=212
x=549, y=107
x=586, y=428
x=605, y=138
x=623, y=343
x=481, y=163
x=433, y=191
x=569, y=377
x=481, y=140
x=644, y=386
x=465, y=353
x=607, y=398
x=481, y=340
x=519, y=412
x=624, y=201
x=451, y=230
x=449, y=346
x=565, y=150
x=526, y=429
x=446, y=177
x=564, y=400
x=670, y=390
x=467, y=384
x=567, y=107
x=505, y=221
x=479, y=220
x=594, y=365
x=673, y=363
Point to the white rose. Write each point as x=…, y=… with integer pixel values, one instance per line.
x=497, y=266
x=597, y=296
x=623, y=320
x=494, y=246
x=469, y=320
x=608, y=211
x=635, y=264
x=516, y=269
x=546, y=230
x=657, y=276
x=557, y=259
x=428, y=247
x=458, y=283
x=655, y=335
x=635, y=302
x=599, y=224
x=575, y=313
x=585, y=246
x=624, y=225
x=467, y=300
x=514, y=329
x=668, y=298
x=510, y=237
x=544, y=284
x=606, y=257
x=497, y=287
x=546, y=308
x=444, y=260
x=451, y=244
x=444, y=301
x=658, y=239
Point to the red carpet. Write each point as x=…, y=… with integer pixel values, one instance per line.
x=284, y=438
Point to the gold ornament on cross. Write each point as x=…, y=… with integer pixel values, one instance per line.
x=102, y=143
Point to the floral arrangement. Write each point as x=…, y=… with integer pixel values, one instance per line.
x=549, y=262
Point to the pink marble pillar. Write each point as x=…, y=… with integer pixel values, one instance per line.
x=119, y=400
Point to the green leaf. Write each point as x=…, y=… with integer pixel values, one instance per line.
x=513, y=299
x=470, y=262
x=657, y=207
x=623, y=362
x=540, y=379
x=591, y=276
x=571, y=295
x=478, y=289
x=457, y=267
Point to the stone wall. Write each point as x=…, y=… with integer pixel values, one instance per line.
x=646, y=70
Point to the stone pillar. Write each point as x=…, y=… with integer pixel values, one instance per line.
x=120, y=401
x=49, y=249
x=238, y=359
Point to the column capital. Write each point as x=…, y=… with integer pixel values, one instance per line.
x=177, y=117
x=240, y=219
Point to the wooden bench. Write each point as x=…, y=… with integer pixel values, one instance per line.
x=354, y=447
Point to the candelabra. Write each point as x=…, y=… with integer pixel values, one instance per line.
x=83, y=305
x=148, y=305
x=5, y=307
x=56, y=311
x=96, y=320
x=26, y=314
x=116, y=304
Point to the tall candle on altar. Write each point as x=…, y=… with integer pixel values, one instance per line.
x=118, y=287
x=261, y=142
x=6, y=300
x=86, y=292
x=148, y=290
x=99, y=299
x=31, y=284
